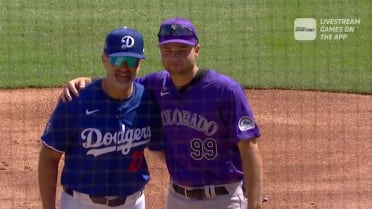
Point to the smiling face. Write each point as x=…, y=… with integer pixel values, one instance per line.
x=178, y=58
x=120, y=73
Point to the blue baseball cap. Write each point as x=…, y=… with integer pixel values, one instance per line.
x=177, y=30
x=124, y=42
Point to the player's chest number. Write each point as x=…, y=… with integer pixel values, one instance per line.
x=136, y=162
x=203, y=149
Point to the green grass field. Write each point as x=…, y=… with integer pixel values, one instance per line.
x=47, y=42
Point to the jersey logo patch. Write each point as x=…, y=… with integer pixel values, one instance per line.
x=89, y=112
x=246, y=123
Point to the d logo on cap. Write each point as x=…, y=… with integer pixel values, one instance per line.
x=127, y=42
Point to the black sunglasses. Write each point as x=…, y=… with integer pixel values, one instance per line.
x=175, y=30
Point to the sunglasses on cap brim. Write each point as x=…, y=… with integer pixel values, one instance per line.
x=175, y=30
x=130, y=61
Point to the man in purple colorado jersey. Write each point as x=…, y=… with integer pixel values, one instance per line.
x=210, y=133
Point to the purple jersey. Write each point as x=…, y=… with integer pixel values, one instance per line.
x=103, y=140
x=202, y=126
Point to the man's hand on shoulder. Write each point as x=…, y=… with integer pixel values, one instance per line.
x=73, y=87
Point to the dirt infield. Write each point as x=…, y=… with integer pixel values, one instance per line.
x=317, y=149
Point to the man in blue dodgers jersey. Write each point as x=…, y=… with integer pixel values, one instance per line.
x=103, y=134
x=209, y=129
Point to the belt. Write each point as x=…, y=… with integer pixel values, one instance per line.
x=200, y=193
x=111, y=202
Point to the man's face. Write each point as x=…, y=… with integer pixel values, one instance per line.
x=121, y=71
x=178, y=58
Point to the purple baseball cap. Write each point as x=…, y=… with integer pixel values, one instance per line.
x=177, y=30
x=124, y=42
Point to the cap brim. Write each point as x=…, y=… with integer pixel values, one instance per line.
x=126, y=54
x=181, y=41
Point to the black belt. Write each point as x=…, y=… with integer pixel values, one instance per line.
x=198, y=194
x=101, y=200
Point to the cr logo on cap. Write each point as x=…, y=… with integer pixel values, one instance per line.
x=127, y=42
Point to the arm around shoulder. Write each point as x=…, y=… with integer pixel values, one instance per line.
x=73, y=87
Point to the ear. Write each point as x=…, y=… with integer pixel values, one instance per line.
x=197, y=49
x=139, y=65
x=104, y=58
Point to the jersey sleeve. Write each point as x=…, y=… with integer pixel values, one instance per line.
x=238, y=114
x=150, y=82
x=157, y=142
x=56, y=132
